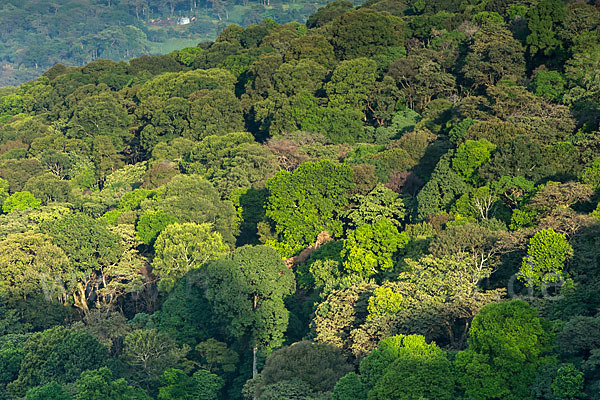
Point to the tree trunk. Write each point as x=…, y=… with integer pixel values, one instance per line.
x=254, y=368
x=80, y=298
x=254, y=348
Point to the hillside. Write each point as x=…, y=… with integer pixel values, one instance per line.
x=37, y=34
x=393, y=201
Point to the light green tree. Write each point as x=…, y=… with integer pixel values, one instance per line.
x=182, y=247
x=350, y=83
x=370, y=248
x=305, y=202
x=151, y=223
x=384, y=302
x=471, y=155
x=545, y=260
x=407, y=367
x=379, y=203
x=20, y=201
x=507, y=344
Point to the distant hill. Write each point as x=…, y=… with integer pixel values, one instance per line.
x=37, y=34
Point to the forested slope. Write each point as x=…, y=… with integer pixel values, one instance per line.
x=397, y=201
x=37, y=34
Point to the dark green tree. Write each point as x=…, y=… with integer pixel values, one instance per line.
x=246, y=289
x=99, y=384
x=365, y=32
x=49, y=391
x=542, y=21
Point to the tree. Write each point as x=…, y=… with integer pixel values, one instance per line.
x=288, y=389
x=209, y=384
x=48, y=187
x=57, y=354
x=31, y=265
x=214, y=112
x=186, y=314
x=216, y=356
x=100, y=115
x=512, y=189
x=107, y=327
x=591, y=175
x=477, y=203
x=162, y=120
x=180, y=248
x=231, y=161
x=469, y=156
x=328, y=13
x=549, y=85
x=507, y=344
x=554, y=196
x=105, y=156
x=75, y=353
x=305, y=202
x=343, y=311
x=99, y=384
x=246, y=289
x=420, y=370
x=183, y=84
x=350, y=83
x=150, y=353
x=365, y=32
x=494, y=55
x=151, y=224
x=382, y=101
x=18, y=172
x=11, y=356
x=444, y=187
x=3, y=190
x=384, y=302
x=312, y=47
x=176, y=385
x=380, y=203
x=294, y=77
x=90, y=246
x=49, y=391
x=479, y=245
x=318, y=365
x=440, y=296
x=421, y=78
x=542, y=20
x=191, y=198
x=370, y=248
x=349, y=387
x=203, y=385
x=560, y=382
x=20, y=201
x=545, y=259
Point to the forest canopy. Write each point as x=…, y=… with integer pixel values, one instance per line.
x=398, y=200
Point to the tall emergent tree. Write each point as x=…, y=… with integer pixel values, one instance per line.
x=246, y=289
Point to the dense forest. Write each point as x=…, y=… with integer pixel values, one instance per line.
x=396, y=201
x=37, y=34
